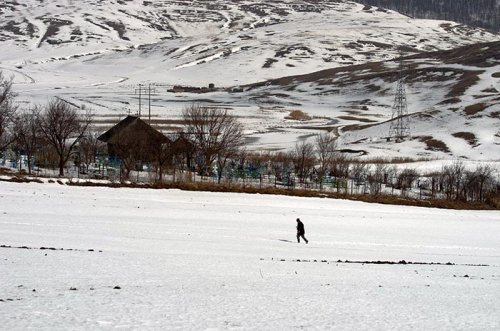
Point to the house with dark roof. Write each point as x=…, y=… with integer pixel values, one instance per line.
x=133, y=138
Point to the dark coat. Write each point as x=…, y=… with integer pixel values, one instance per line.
x=300, y=228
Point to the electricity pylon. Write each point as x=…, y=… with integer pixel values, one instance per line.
x=400, y=122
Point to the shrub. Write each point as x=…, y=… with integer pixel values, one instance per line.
x=298, y=115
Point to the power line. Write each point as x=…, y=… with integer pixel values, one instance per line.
x=147, y=90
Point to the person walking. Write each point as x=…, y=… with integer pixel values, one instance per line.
x=301, y=231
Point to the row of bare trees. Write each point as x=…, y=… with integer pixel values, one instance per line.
x=459, y=183
x=56, y=128
x=310, y=166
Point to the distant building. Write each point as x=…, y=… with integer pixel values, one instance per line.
x=133, y=138
x=134, y=142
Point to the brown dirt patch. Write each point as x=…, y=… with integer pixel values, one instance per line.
x=53, y=26
x=489, y=90
x=358, y=119
x=496, y=75
x=474, y=109
x=450, y=101
x=468, y=79
x=355, y=127
x=434, y=144
x=467, y=136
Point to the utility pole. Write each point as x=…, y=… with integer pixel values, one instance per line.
x=149, y=107
x=400, y=123
x=139, y=90
x=147, y=90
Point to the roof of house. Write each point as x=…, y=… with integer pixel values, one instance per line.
x=182, y=143
x=132, y=127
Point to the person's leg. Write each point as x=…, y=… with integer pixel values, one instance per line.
x=298, y=237
x=303, y=237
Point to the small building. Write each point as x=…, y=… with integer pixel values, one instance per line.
x=133, y=138
x=183, y=148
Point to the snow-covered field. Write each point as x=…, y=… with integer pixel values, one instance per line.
x=196, y=261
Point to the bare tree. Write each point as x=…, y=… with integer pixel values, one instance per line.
x=63, y=128
x=325, y=146
x=434, y=182
x=447, y=181
x=375, y=178
x=27, y=134
x=7, y=111
x=89, y=148
x=358, y=174
x=183, y=152
x=477, y=182
x=132, y=150
x=452, y=177
x=230, y=151
x=303, y=157
x=163, y=154
x=484, y=175
x=406, y=179
x=216, y=134
x=126, y=150
x=341, y=166
x=281, y=165
x=458, y=168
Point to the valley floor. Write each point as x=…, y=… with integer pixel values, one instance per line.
x=168, y=259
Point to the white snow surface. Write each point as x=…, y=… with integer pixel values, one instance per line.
x=216, y=261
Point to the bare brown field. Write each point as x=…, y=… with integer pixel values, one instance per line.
x=468, y=79
x=434, y=144
x=467, y=136
x=474, y=109
x=355, y=127
x=450, y=101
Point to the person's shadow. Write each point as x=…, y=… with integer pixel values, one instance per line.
x=284, y=240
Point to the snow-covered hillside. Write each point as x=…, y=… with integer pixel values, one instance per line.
x=103, y=258
x=187, y=41
x=453, y=103
x=95, y=53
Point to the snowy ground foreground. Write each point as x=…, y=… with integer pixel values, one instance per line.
x=192, y=260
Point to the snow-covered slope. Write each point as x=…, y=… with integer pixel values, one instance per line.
x=192, y=41
x=94, y=53
x=453, y=103
x=198, y=261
